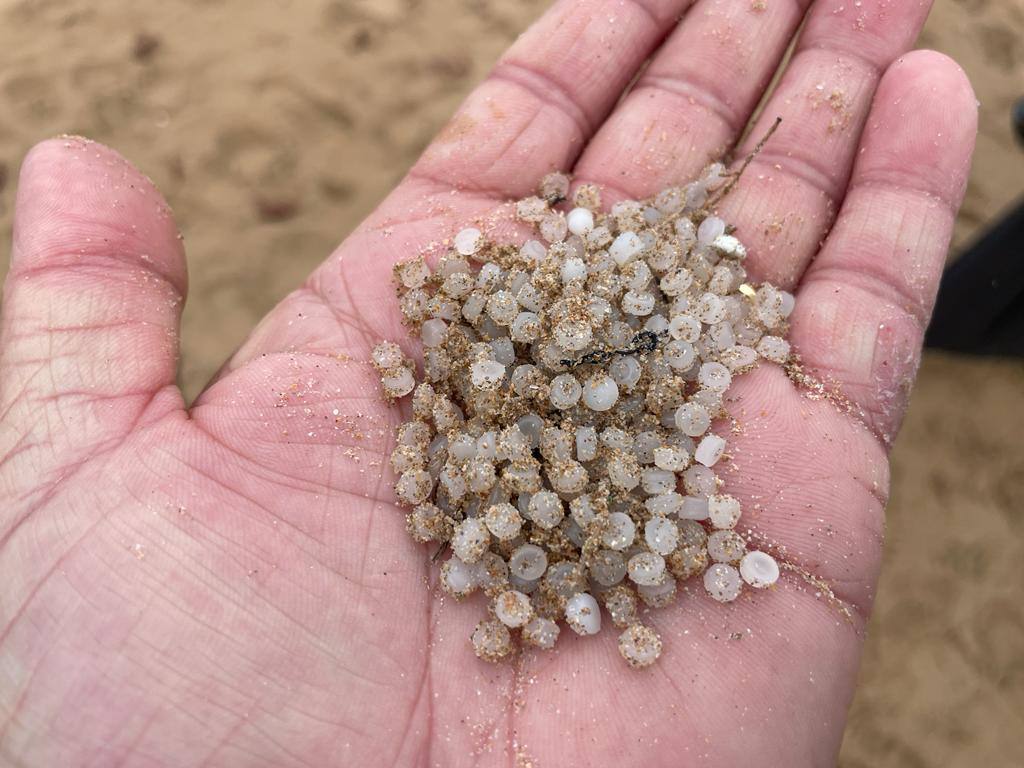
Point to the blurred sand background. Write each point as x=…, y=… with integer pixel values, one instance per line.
x=273, y=126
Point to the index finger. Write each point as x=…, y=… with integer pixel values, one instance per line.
x=546, y=96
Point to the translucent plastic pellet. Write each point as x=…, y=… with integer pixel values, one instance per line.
x=640, y=646
x=541, y=632
x=661, y=535
x=726, y=546
x=692, y=419
x=646, y=568
x=619, y=532
x=513, y=608
x=722, y=582
x=608, y=567
x=723, y=511
x=491, y=640
x=600, y=392
x=710, y=450
x=528, y=562
x=583, y=615
x=565, y=391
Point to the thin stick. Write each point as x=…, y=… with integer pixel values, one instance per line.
x=749, y=159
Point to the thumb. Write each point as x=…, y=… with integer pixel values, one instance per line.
x=92, y=302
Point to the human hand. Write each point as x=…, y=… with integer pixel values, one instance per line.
x=231, y=583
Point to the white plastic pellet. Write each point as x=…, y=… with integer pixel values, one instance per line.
x=738, y=357
x=468, y=241
x=586, y=443
x=773, y=348
x=458, y=577
x=665, y=504
x=491, y=640
x=487, y=374
x=714, y=376
x=644, y=446
x=524, y=378
x=503, y=521
x=625, y=371
x=710, y=309
x=556, y=444
x=462, y=447
x=568, y=477
x=646, y=568
x=661, y=535
x=545, y=509
x=566, y=578
x=723, y=511
x=710, y=450
x=608, y=567
x=400, y=383
x=531, y=425
x=759, y=569
x=573, y=335
x=528, y=562
x=638, y=303
x=722, y=582
x=693, y=508
x=710, y=229
x=573, y=269
x=600, y=393
x=583, y=615
x=432, y=332
x=684, y=328
x=565, y=391
x=658, y=595
x=699, y=480
x=625, y=247
x=580, y=221
x=541, y=632
x=657, y=481
x=512, y=608
x=640, y=646
x=725, y=546
x=503, y=350
x=671, y=458
x=526, y=327
x=533, y=251
x=619, y=531
x=413, y=274
x=692, y=419
x=727, y=245
x=723, y=336
x=470, y=539
x=786, y=303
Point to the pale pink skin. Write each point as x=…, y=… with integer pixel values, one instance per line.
x=226, y=585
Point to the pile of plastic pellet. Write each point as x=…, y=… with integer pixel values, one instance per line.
x=561, y=447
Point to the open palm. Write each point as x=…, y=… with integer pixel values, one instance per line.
x=231, y=584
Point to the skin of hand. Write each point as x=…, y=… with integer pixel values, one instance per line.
x=231, y=584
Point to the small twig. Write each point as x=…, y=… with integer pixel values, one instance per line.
x=643, y=342
x=721, y=193
x=440, y=551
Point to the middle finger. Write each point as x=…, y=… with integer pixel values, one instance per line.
x=694, y=99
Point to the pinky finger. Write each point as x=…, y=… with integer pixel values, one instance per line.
x=865, y=302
